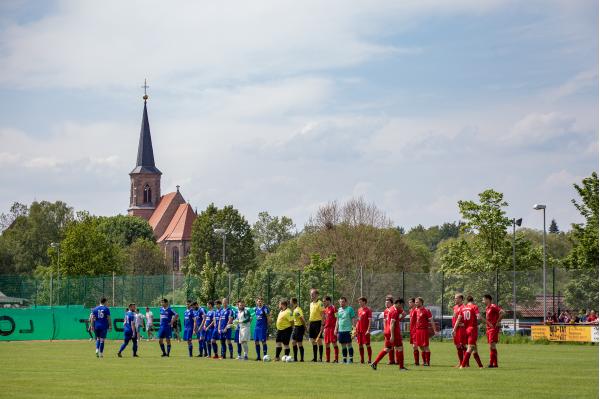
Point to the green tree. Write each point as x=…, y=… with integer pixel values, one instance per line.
x=240, y=251
x=584, y=254
x=125, y=230
x=270, y=231
x=144, y=257
x=213, y=280
x=553, y=229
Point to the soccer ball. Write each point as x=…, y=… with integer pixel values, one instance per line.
x=288, y=359
x=266, y=358
x=285, y=359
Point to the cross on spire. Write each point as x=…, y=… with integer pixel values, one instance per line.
x=145, y=86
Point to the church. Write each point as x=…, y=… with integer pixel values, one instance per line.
x=169, y=215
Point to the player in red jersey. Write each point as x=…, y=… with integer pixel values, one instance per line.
x=412, y=313
x=493, y=315
x=423, y=319
x=392, y=334
x=469, y=315
x=363, y=329
x=389, y=302
x=460, y=338
x=329, y=334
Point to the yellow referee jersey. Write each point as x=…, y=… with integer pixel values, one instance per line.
x=316, y=311
x=298, y=315
x=285, y=319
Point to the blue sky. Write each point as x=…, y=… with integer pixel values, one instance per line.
x=283, y=106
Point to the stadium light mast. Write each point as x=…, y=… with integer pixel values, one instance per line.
x=541, y=207
x=515, y=222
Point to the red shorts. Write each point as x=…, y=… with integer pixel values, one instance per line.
x=397, y=341
x=329, y=336
x=471, y=335
x=363, y=339
x=421, y=337
x=460, y=337
x=492, y=335
x=412, y=336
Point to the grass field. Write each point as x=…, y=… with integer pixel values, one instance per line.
x=70, y=369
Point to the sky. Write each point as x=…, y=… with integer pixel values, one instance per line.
x=283, y=106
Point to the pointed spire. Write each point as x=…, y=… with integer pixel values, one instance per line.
x=145, y=155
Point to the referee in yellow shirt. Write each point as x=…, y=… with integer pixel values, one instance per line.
x=285, y=322
x=298, y=331
x=315, y=323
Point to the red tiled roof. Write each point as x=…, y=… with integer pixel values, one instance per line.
x=180, y=228
x=164, y=212
x=160, y=210
x=536, y=309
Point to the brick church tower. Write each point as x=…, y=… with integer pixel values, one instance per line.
x=145, y=177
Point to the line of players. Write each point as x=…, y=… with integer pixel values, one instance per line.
x=220, y=324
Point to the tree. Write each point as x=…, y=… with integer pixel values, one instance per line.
x=86, y=251
x=270, y=231
x=355, y=212
x=240, y=251
x=433, y=235
x=584, y=254
x=31, y=232
x=125, y=230
x=553, y=227
x=144, y=257
x=213, y=280
x=6, y=219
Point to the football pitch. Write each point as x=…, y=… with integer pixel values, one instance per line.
x=70, y=369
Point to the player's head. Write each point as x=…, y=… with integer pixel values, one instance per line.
x=458, y=299
x=327, y=300
x=195, y=305
x=103, y=301
x=470, y=299
x=343, y=301
x=218, y=303
x=487, y=299
x=362, y=301
x=147, y=309
x=188, y=303
x=225, y=302
x=260, y=301
x=241, y=304
x=419, y=301
x=131, y=306
x=399, y=303
x=210, y=304
x=164, y=302
x=283, y=304
x=294, y=301
x=389, y=301
x=314, y=294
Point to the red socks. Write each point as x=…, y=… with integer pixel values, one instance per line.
x=428, y=358
x=328, y=354
x=465, y=361
x=337, y=353
x=379, y=356
x=416, y=356
x=424, y=356
x=400, y=358
x=391, y=357
x=361, y=350
x=494, y=357
x=461, y=354
x=477, y=359
x=370, y=353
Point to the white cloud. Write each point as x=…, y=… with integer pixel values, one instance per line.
x=540, y=127
x=586, y=80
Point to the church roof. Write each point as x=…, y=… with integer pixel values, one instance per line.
x=180, y=228
x=164, y=212
x=145, y=156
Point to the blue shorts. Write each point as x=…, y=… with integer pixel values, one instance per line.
x=216, y=335
x=236, y=337
x=260, y=334
x=127, y=334
x=200, y=334
x=208, y=334
x=188, y=333
x=100, y=332
x=164, y=332
x=344, y=337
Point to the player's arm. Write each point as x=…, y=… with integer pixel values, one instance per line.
x=500, y=317
x=230, y=321
x=456, y=325
x=109, y=322
x=392, y=327
x=174, y=319
x=368, y=332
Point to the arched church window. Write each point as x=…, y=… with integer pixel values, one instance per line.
x=147, y=194
x=175, y=258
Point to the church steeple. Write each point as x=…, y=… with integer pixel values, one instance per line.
x=145, y=177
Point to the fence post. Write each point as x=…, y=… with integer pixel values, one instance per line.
x=239, y=282
x=403, y=283
x=36, y=294
x=84, y=289
x=361, y=281
x=142, y=290
x=21, y=287
x=333, y=282
x=113, y=289
x=123, y=290
x=442, y=310
x=268, y=286
x=298, y=289
x=51, y=286
x=498, y=285
x=553, y=287
x=162, y=290
x=68, y=299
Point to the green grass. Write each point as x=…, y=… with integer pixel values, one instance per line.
x=70, y=369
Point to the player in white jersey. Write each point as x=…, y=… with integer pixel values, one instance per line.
x=244, y=319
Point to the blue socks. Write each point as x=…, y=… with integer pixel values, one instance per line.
x=239, y=348
x=102, y=347
x=215, y=348
x=168, y=349
x=230, y=345
x=162, y=348
x=97, y=344
x=191, y=349
x=208, y=348
x=135, y=347
x=223, y=349
x=265, y=349
x=258, y=351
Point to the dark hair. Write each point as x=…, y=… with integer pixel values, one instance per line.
x=211, y=303
x=413, y=299
x=327, y=298
x=461, y=296
x=259, y=298
x=469, y=298
x=389, y=298
x=399, y=301
x=240, y=301
x=189, y=301
x=362, y=298
x=218, y=302
x=295, y=300
x=343, y=298
x=103, y=300
x=194, y=303
x=284, y=302
x=165, y=300
x=130, y=305
x=488, y=296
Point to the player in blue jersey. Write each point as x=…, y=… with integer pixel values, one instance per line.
x=130, y=330
x=261, y=328
x=189, y=317
x=168, y=318
x=209, y=326
x=199, y=315
x=216, y=335
x=224, y=326
x=102, y=324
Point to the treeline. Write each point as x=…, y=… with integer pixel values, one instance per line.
x=49, y=237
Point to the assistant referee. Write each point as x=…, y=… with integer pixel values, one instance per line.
x=315, y=323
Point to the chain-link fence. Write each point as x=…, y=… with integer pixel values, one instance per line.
x=571, y=291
